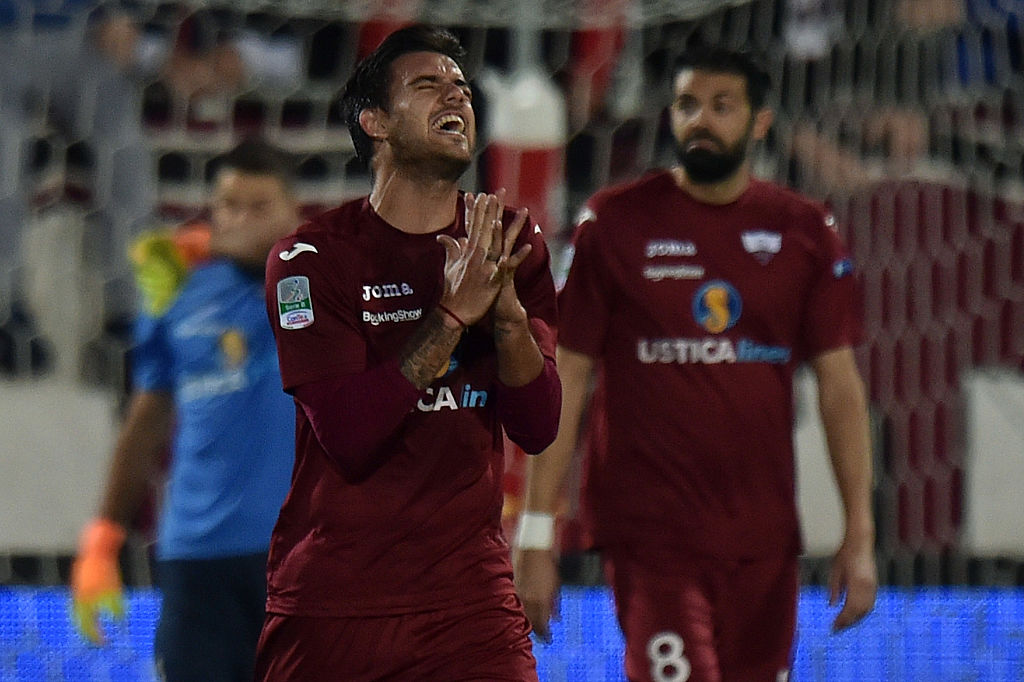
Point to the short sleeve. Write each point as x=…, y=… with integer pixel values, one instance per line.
x=583, y=303
x=151, y=359
x=833, y=317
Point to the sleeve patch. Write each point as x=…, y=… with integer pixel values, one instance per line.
x=294, y=302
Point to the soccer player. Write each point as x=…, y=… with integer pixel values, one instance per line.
x=206, y=385
x=696, y=292
x=413, y=326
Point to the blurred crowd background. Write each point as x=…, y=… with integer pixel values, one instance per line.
x=905, y=116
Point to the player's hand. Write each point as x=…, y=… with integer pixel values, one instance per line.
x=160, y=270
x=853, y=579
x=537, y=582
x=471, y=264
x=507, y=306
x=96, y=586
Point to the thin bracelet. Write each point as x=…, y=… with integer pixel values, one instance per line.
x=453, y=316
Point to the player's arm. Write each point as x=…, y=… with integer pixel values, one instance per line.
x=529, y=393
x=95, y=578
x=519, y=358
x=530, y=412
x=535, y=558
x=144, y=437
x=843, y=406
x=353, y=415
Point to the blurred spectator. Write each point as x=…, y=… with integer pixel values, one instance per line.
x=64, y=80
x=930, y=15
x=856, y=125
x=888, y=141
x=211, y=53
x=77, y=172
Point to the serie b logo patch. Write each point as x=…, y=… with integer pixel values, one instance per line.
x=294, y=304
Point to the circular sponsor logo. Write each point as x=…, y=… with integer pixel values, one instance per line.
x=717, y=306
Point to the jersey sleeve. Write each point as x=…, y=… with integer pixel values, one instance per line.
x=833, y=316
x=150, y=356
x=583, y=303
x=310, y=306
x=536, y=290
x=530, y=413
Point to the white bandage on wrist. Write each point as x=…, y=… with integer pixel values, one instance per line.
x=536, y=530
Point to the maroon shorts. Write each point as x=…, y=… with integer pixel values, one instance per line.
x=478, y=642
x=706, y=620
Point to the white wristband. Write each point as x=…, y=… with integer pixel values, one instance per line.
x=536, y=530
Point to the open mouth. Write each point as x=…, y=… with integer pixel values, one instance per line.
x=452, y=124
x=705, y=143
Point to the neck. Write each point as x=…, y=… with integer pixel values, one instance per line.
x=255, y=267
x=722, y=192
x=254, y=270
x=414, y=205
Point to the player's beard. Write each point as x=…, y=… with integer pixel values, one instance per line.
x=430, y=162
x=449, y=168
x=706, y=167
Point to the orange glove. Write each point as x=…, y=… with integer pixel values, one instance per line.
x=96, y=579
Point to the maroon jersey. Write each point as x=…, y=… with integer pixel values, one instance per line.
x=698, y=315
x=422, y=529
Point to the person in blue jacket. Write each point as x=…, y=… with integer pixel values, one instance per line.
x=206, y=386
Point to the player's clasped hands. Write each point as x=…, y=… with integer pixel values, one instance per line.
x=479, y=265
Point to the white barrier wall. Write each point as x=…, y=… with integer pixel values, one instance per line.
x=55, y=442
x=994, y=463
x=821, y=513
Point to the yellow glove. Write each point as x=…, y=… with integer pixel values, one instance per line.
x=160, y=270
x=96, y=579
x=163, y=259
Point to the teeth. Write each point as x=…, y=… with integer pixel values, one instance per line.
x=459, y=127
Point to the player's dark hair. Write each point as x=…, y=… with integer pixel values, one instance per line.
x=722, y=60
x=254, y=156
x=367, y=87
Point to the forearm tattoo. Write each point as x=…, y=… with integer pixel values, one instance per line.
x=428, y=350
x=503, y=333
x=511, y=331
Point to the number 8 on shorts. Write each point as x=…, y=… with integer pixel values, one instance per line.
x=668, y=664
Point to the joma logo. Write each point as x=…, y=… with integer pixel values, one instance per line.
x=373, y=291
